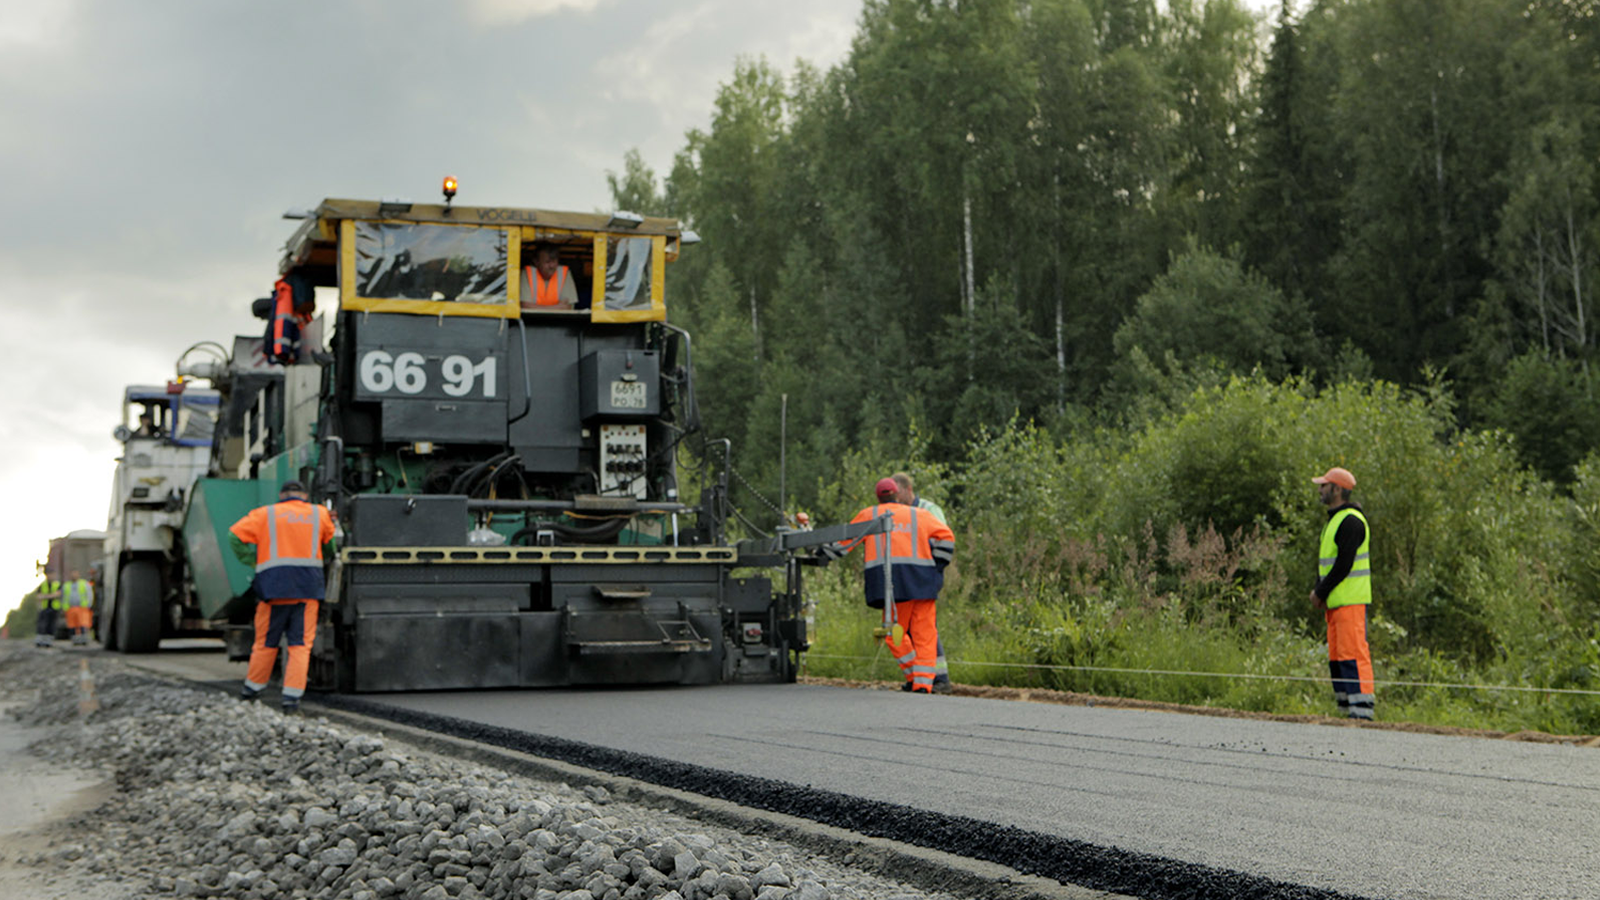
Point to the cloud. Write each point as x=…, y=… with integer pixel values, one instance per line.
x=153, y=145
x=511, y=12
x=30, y=25
x=669, y=76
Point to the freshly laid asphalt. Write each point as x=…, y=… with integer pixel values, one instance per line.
x=1149, y=803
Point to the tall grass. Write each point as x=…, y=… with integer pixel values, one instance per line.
x=1189, y=545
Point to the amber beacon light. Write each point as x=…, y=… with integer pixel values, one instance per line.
x=449, y=189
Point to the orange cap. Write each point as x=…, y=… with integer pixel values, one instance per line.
x=1336, y=475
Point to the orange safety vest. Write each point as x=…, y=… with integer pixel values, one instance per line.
x=288, y=536
x=918, y=548
x=287, y=320
x=546, y=293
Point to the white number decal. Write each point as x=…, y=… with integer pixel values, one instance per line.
x=381, y=372
x=486, y=369
x=457, y=375
x=376, y=376
x=409, y=376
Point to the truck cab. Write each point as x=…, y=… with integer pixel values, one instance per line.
x=166, y=434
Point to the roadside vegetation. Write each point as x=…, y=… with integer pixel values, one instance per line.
x=1113, y=279
x=1082, y=552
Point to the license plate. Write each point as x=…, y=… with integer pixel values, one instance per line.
x=628, y=395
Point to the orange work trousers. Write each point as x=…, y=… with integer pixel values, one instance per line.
x=917, y=653
x=1350, y=661
x=79, y=617
x=292, y=621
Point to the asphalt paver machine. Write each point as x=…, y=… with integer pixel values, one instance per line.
x=504, y=474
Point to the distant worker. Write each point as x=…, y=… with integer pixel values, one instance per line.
x=917, y=549
x=147, y=424
x=50, y=605
x=907, y=494
x=78, y=596
x=547, y=284
x=290, y=538
x=293, y=304
x=1343, y=591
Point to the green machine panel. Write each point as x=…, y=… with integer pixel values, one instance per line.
x=218, y=575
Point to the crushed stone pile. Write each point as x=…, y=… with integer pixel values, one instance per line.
x=218, y=798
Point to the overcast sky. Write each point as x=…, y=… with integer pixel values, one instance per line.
x=149, y=148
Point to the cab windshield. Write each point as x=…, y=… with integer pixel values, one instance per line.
x=408, y=261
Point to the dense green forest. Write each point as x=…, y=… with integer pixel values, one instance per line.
x=1113, y=279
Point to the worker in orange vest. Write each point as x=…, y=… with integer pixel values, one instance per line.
x=78, y=595
x=293, y=304
x=915, y=553
x=547, y=284
x=290, y=538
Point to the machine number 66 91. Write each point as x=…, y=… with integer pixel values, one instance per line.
x=382, y=372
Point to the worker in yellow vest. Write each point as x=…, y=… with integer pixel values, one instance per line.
x=50, y=604
x=1343, y=592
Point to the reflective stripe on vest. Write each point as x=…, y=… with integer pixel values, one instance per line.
x=285, y=325
x=274, y=560
x=53, y=587
x=281, y=572
x=547, y=293
x=1357, y=586
x=78, y=593
x=916, y=547
x=880, y=546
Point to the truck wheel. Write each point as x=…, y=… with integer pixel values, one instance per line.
x=138, y=625
x=103, y=628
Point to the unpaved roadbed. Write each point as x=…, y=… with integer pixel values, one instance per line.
x=203, y=796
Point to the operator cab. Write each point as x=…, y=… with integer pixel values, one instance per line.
x=179, y=418
x=400, y=257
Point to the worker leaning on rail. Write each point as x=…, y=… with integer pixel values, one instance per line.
x=51, y=603
x=547, y=284
x=1343, y=591
x=78, y=597
x=290, y=538
x=907, y=494
x=918, y=548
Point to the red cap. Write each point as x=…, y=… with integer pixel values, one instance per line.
x=887, y=489
x=1336, y=475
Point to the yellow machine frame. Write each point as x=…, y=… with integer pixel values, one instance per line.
x=335, y=222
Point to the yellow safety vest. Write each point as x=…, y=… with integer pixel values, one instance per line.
x=1356, y=588
x=77, y=593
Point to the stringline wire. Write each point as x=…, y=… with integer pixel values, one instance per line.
x=1319, y=678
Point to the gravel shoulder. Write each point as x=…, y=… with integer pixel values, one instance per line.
x=41, y=797
x=168, y=789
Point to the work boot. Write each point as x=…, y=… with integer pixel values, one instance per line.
x=906, y=687
x=291, y=707
x=942, y=685
x=248, y=695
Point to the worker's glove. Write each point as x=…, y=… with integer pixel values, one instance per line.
x=830, y=552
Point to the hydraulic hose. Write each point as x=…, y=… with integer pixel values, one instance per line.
x=591, y=534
